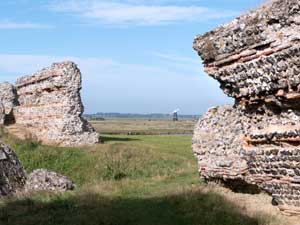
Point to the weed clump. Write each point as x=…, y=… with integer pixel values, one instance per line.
x=118, y=164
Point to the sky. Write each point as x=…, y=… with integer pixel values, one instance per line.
x=135, y=56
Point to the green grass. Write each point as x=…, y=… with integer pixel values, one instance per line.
x=135, y=156
x=128, y=180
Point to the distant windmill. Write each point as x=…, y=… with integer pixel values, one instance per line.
x=175, y=114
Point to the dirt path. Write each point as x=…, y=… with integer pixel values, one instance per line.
x=255, y=205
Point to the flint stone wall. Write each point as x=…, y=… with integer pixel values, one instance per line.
x=48, y=104
x=219, y=152
x=256, y=59
x=8, y=100
x=12, y=174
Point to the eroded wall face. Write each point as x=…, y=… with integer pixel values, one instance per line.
x=217, y=144
x=8, y=100
x=256, y=59
x=12, y=174
x=50, y=106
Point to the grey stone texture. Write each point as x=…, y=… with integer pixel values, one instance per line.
x=256, y=60
x=8, y=100
x=217, y=144
x=12, y=174
x=44, y=180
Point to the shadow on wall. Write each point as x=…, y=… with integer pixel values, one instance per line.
x=9, y=119
x=237, y=185
x=193, y=208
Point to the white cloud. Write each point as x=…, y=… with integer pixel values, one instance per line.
x=20, y=65
x=94, y=70
x=112, y=86
x=177, y=58
x=26, y=25
x=137, y=12
x=27, y=64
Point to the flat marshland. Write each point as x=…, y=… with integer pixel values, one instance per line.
x=144, y=126
x=131, y=180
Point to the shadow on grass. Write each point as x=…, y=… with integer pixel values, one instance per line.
x=91, y=209
x=105, y=139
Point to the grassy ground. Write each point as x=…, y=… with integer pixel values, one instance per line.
x=144, y=127
x=129, y=180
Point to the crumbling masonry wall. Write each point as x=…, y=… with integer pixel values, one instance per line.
x=217, y=144
x=256, y=59
x=12, y=174
x=8, y=100
x=48, y=105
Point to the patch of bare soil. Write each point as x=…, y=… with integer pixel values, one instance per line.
x=255, y=205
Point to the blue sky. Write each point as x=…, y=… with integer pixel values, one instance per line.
x=135, y=55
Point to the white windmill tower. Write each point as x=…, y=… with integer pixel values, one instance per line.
x=175, y=114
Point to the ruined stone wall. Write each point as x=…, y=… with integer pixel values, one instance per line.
x=12, y=174
x=8, y=100
x=256, y=59
x=219, y=152
x=50, y=106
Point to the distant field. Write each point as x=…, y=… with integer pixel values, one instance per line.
x=144, y=127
